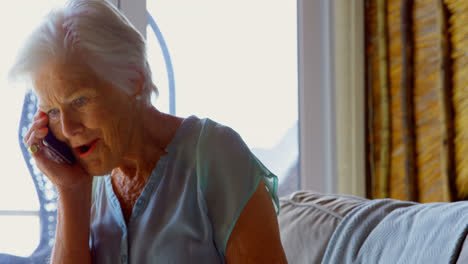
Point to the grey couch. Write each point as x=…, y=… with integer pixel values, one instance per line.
x=307, y=220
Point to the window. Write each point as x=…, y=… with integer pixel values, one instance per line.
x=236, y=63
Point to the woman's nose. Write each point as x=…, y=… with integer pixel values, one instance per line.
x=71, y=125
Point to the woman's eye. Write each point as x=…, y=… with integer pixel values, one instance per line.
x=53, y=114
x=80, y=102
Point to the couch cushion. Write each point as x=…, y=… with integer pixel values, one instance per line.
x=307, y=220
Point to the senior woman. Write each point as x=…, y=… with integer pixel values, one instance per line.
x=173, y=190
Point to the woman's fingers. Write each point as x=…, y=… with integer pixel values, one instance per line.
x=41, y=133
x=36, y=136
x=39, y=124
x=38, y=115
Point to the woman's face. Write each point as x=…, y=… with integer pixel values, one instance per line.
x=91, y=116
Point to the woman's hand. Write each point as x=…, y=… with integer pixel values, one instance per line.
x=63, y=176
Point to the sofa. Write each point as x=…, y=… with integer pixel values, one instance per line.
x=308, y=219
x=330, y=228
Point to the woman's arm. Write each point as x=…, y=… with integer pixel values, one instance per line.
x=72, y=235
x=255, y=237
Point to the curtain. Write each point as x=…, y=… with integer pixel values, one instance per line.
x=417, y=99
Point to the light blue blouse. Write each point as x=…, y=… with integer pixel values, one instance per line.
x=188, y=207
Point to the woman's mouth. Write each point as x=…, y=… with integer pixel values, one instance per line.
x=87, y=149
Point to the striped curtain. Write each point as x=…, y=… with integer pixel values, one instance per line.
x=417, y=99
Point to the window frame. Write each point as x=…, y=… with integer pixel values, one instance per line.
x=331, y=96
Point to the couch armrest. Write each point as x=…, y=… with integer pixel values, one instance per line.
x=308, y=219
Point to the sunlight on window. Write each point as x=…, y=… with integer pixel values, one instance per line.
x=19, y=234
x=236, y=63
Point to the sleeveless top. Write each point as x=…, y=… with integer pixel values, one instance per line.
x=189, y=205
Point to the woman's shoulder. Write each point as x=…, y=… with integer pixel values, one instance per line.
x=204, y=132
x=217, y=134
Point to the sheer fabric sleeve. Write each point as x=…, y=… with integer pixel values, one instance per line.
x=228, y=175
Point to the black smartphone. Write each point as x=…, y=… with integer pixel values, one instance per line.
x=58, y=148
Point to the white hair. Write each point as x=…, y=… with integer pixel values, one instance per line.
x=108, y=43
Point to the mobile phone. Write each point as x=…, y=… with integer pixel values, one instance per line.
x=58, y=148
